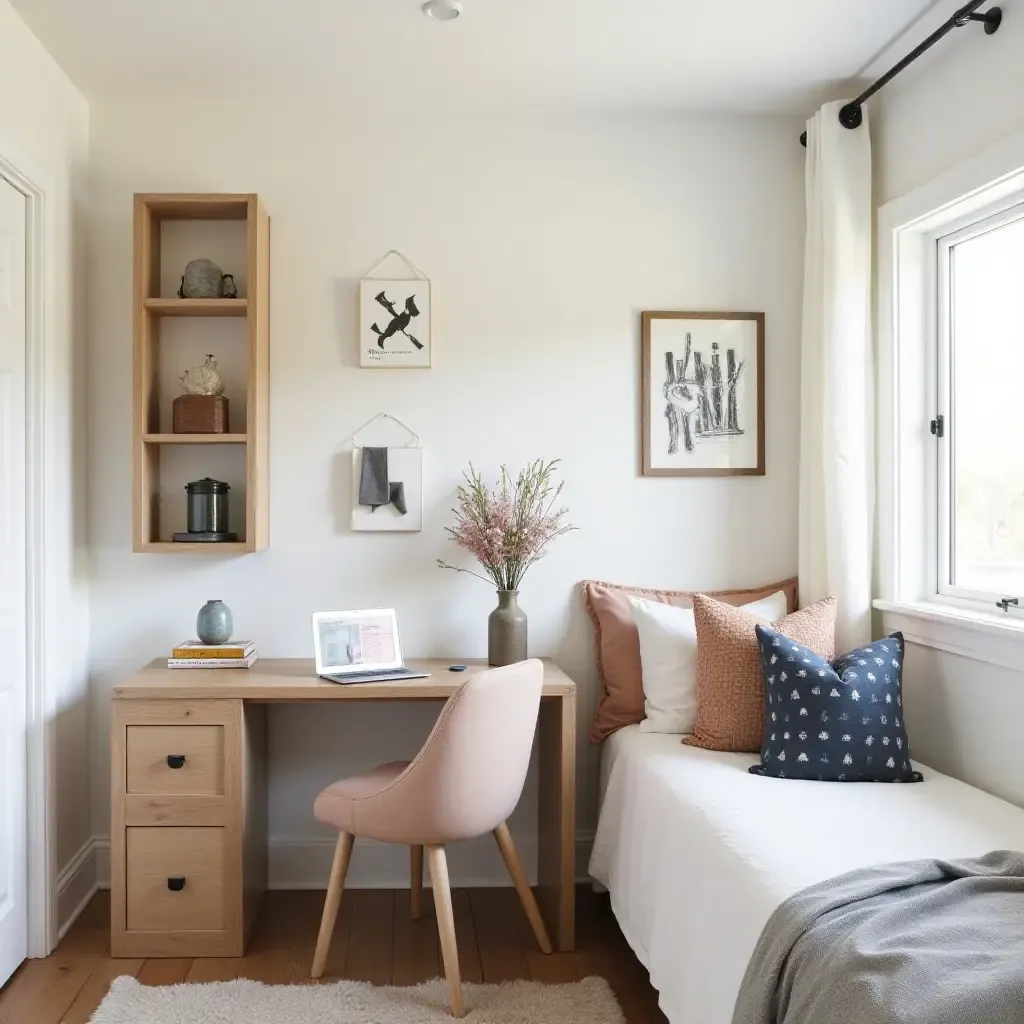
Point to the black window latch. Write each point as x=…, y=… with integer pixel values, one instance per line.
x=938, y=426
x=1007, y=602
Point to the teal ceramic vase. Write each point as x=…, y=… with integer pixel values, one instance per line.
x=214, y=625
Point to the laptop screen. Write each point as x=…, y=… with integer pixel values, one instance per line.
x=356, y=641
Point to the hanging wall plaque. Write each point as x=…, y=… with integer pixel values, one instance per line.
x=395, y=319
x=387, y=479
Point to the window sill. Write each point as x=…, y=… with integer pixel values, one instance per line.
x=982, y=636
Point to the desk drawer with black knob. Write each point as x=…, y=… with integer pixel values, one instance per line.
x=175, y=879
x=175, y=759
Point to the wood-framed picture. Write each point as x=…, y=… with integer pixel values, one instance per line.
x=395, y=323
x=702, y=394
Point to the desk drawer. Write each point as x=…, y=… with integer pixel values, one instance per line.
x=175, y=759
x=175, y=879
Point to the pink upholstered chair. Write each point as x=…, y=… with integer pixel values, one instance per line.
x=465, y=782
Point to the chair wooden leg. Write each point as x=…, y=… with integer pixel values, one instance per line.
x=339, y=869
x=438, y=864
x=416, y=881
x=510, y=855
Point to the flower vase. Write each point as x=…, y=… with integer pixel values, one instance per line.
x=506, y=631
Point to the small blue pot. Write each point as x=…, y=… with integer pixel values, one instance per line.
x=214, y=624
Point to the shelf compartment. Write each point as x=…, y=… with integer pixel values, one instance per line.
x=195, y=438
x=197, y=307
x=198, y=206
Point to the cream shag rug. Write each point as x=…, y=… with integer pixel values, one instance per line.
x=351, y=1002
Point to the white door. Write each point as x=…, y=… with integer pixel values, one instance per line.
x=13, y=829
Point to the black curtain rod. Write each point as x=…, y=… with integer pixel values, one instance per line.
x=852, y=115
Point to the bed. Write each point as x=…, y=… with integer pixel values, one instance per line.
x=689, y=846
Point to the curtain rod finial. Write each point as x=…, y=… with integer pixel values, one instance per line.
x=852, y=115
x=993, y=19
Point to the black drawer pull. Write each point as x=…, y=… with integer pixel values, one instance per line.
x=175, y=884
x=175, y=760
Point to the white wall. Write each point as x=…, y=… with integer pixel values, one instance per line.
x=44, y=132
x=963, y=716
x=545, y=237
x=963, y=713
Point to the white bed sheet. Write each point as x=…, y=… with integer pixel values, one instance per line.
x=697, y=853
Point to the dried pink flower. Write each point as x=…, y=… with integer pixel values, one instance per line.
x=507, y=529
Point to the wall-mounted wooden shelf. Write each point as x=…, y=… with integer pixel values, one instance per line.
x=195, y=438
x=152, y=438
x=197, y=307
x=170, y=547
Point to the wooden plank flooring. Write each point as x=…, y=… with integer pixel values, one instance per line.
x=375, y=940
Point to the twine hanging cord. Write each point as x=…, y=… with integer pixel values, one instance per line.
x=414, y=437
x=418, y=274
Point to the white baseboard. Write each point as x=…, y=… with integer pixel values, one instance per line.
x=304, y=862
x=76, y=885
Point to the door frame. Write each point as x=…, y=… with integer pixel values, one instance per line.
x=40, y=704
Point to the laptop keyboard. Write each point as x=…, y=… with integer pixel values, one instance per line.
x=376, y=672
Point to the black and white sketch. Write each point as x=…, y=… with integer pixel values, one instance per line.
x=399, y=321
x=701, y=398
x=703, y=394
x=394, y=323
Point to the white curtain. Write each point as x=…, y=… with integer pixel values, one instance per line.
x=837, y=377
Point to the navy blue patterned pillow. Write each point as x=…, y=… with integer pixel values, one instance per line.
x=838, y=722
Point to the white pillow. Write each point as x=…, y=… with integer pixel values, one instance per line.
x=668, y=659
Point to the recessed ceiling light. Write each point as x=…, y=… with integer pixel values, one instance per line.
x=442, y=10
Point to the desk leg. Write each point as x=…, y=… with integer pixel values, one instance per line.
x=556, y=832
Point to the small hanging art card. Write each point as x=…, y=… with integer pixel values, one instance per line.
x=387, y=479
x=395, y=318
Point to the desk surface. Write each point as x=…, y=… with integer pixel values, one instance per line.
x=294, y=679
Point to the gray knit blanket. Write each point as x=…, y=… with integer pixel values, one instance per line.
x=924, y=942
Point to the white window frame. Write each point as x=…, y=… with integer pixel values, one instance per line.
x=908, y=528
x=942, y=512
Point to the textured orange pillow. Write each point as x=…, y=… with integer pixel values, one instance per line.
x=730, y=690
x=618, y=645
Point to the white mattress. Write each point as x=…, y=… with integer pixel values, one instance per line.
x=697, y=853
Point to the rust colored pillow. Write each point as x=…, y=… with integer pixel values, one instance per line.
x=618, y=645
x=730, y=688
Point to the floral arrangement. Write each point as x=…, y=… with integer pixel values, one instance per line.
x=508, y=528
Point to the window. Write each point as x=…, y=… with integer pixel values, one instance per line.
x=979, y=424
x=950, y=347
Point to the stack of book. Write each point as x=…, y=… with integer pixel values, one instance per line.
x=195, y=654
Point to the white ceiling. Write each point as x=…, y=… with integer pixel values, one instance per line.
x=779, y=55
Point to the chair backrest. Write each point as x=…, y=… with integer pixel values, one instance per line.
x=469, y=775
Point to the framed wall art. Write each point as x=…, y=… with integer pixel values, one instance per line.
x=395, y=319
x=702, y=394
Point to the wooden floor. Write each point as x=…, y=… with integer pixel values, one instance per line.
x=374, y=941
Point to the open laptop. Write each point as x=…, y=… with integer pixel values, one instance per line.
x=359, y=647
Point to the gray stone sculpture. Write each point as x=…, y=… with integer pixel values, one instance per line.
x=202, y=280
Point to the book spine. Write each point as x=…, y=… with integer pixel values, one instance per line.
x=191, y=663
x=221, y=654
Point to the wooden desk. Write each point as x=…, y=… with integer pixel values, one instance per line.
x=188, y=837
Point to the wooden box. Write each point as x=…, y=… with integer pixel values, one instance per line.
x=200, y=414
